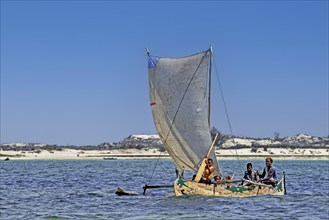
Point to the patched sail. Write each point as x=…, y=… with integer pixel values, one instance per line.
x=179, y=101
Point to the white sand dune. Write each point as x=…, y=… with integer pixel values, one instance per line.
x=135, y=153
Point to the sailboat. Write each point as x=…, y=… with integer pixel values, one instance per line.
x=180, y=99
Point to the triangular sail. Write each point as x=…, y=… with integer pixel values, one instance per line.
x=179, y=101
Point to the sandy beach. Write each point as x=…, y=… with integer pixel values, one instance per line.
x=72, y=154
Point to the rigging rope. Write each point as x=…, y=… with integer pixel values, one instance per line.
x=180, y=103
x=226, y=111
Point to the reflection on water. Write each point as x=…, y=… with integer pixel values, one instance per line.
x=85, y=190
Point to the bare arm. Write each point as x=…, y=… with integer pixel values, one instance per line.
x=269, y=175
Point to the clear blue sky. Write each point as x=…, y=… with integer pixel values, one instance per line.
x=76, y=72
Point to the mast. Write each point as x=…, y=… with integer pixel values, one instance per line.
x=147, y=51
x=209, y=98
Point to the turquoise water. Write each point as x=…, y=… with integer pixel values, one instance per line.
x=84, y=189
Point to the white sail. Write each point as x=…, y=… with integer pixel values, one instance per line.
x=179, y=101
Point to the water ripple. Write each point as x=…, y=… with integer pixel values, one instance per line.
x=85, y=190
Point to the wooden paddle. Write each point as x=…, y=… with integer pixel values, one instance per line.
x=257, y=184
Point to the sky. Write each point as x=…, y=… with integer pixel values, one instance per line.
x=75, y=72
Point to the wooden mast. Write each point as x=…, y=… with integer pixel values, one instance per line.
x=210, y=73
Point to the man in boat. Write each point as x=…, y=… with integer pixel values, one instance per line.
x=208, y=172
x=218, y=180
x=249, y=175
x=269, y=173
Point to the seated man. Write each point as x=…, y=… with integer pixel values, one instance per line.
x=208, y=172
x=218, y=180
x=249, y=175
x=269, y=173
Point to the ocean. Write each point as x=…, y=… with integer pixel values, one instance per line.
x=84, y=189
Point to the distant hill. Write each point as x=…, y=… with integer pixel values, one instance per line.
x=297, y=141
x=153, y=142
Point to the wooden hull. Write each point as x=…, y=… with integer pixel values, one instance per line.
x=184, y=187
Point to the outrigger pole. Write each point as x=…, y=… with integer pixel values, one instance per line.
x=155, y=186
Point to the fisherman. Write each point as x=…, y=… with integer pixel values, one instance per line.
x=218, y=180
x=249, y=175
x=269, y=173
x=208, y=172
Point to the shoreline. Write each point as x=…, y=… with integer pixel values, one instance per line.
x=72, y=154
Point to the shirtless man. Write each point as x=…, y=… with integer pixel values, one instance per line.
x=208, y=172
